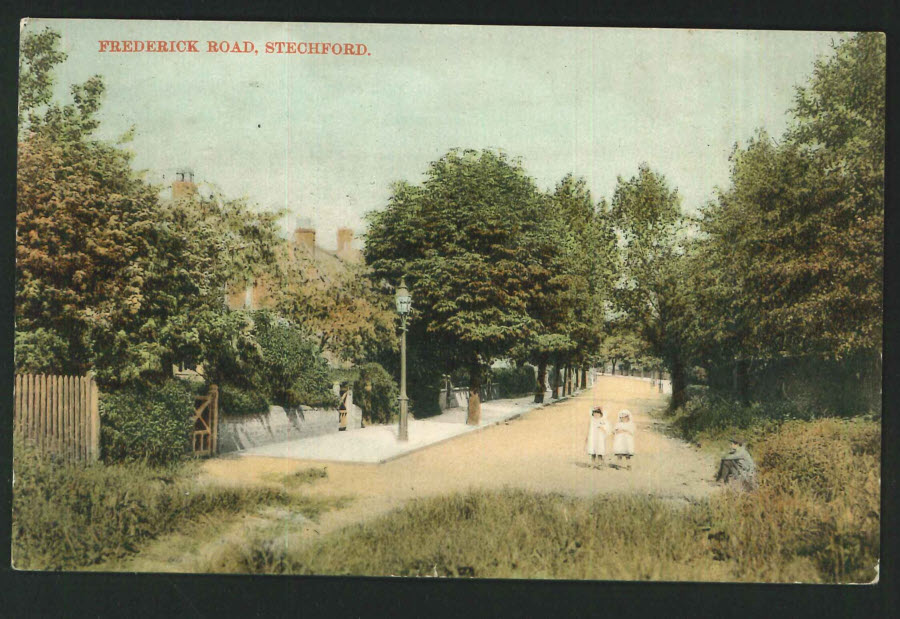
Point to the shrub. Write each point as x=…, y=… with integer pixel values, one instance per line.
x=66, y=517
x=236, y=401
x=293, y=371
x=515, y=381
x=312, y=393
x=375, y=392
x=711, y=416
x=40, y=351
x=149, y=422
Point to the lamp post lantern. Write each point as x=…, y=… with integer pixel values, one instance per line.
x=404, y=304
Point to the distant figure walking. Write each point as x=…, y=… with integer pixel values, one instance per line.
x=623, y=438
x=737, y=466
x=596, y=439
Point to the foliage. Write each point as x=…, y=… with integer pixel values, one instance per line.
x=341, y=308
x=67, y=517
x=148, y=423
x=515, y=381
x=108, y=276
x=818, y=502
x=375, y=392
x=575, y=261
x=711, y=416
x=789, y=266
x=651, y=292
x=236, y=401
x=292, y=370
x=621, y=346
x=461, y=241
x=814, y=518
x=39, y=54
x=40, y=351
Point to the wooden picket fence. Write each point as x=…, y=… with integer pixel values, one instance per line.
x=59, y=414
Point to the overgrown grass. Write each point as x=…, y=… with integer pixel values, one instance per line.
x=814, y=518
x=67, y=517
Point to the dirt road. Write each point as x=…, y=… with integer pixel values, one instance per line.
x=543, y=451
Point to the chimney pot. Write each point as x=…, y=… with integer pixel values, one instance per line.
x=305, y=237
x=344, y=239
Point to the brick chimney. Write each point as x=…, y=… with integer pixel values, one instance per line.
x=305, y=237
x=184, y=186
x=344, y=240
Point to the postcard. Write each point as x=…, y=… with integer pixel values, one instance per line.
x=449, y=301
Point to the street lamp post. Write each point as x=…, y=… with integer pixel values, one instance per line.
x=404, y=304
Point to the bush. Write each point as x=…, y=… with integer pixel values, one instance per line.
x=293, y=371
x=40, y=351
x=711, y=416
x=313, y=394
x=67, y=517
x=239, y=402
x=147, y=422
x=515, y=381
x=375, y=392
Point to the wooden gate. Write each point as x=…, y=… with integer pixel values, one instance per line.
x=204, y=439
x=60, y=415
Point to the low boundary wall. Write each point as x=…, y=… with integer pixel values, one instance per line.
x=237, y=433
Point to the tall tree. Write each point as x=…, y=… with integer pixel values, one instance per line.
x=460, y=240
x=650, y=293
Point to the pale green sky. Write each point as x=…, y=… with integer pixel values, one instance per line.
x=324, y=136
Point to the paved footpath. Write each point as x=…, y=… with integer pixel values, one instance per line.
x=377, y=444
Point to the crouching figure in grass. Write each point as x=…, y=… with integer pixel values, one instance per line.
x=623, y=438
x=737, y=466
x=596, y=439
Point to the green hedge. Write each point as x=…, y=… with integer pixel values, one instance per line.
x=236, y=401
x=515, y=381
x=375, y=392
x=147, y=422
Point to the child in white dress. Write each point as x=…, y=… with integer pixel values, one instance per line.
x=596, y=439
x=623, y=438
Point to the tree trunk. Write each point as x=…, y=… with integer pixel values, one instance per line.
x=554, y=382
x=613, y=367
x=583, y=377
x=679, y=383
x=541, y=386
x=474, y=412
